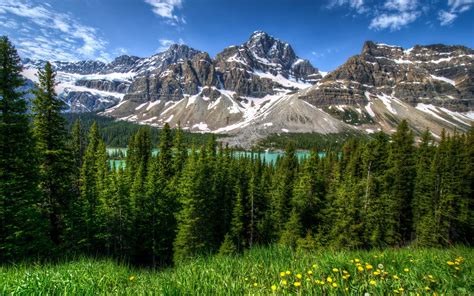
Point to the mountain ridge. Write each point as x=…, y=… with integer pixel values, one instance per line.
x=244, y=85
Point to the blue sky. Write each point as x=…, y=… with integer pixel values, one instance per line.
x=326, y=32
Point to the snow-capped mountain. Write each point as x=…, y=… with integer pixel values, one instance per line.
x=262, y=87
x=89, y=86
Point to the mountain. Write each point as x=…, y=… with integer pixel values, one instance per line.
x=262, y=87
x=431, y=86
x=90, y=86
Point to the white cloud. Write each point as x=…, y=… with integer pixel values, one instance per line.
x=456, y=7
x=446, y=17
x=358, y=5
x=56, y=36
x=460, y=5
x=401, y=5
x=166, y=9
x=393, y=21
x=166, y=43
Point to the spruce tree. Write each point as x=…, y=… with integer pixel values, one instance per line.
x=54, y=155
x=423, y=204
x=400, y=182
x=22, y=227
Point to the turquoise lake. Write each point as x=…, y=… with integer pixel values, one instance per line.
x=267, y=156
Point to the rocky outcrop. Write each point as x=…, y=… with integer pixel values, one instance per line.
x=434, y=74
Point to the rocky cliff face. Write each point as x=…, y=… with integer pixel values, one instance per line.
x=437, y=74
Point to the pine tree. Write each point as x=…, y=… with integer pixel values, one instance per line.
x=56, y=173
x=22, y=227
x=194, y=227
x=400, y=178
x=162, y=197
x=86, y=228
x=282, y=188
x=423, y=196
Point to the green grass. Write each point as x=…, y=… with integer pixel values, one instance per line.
x=261, y=266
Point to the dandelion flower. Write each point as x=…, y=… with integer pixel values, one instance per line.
x=457, y=268
x=373, y=283
x=395, y=277
x=334, y=285
x=376, y=272
x=368, y=267
x=427, y=289
x=288, y=272
x=406, y=269
x=401, y=289
x=450, y=263
x=131, y=278
x=274, y=288
x=360, y=268
x=345, y=272
x=329, y=279
x=357, y=260
x=297, y=284
x=299, y=276
x=314, y=265
x=335, y=270
x=282, y=274
x=255, y=284
x=284, y=282
x=310, y=272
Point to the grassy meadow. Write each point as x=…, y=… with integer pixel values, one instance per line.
x=260, y=271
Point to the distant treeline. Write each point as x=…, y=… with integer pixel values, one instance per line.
x=116, y=133
x=308, y=141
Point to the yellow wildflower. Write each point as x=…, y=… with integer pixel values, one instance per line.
x=314, y=266
x=406, y=269
x=395, y=277
x=450, y=263
x=131, y=278
x=335, y=270
x=284, y=282
x=401, y=289
x=345, y=272
x=357, y=260
x=288, y=272
x=297, y=284
x=427, y=289
x=274, y=288
x=317, y=282
x=376, y=272
x=373, y=283
x=282, y=274
x=329, y=279
x=334, y=285
x=360, y=268
x=368, y=267
x=255, y=284
x=310, y=272
x=308, y=279
x=299, y=275
x=457, y=268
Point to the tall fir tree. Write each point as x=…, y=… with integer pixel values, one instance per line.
x=400, y=178
x=423, y=205
x=56, y=167
x=22, y=227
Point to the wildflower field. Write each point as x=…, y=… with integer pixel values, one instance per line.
x=260, y=271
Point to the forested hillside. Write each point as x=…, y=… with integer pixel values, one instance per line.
x=59, y=195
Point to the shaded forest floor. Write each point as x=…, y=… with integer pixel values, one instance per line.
x=260, y=271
